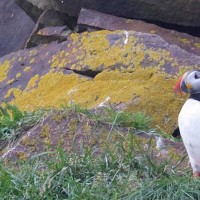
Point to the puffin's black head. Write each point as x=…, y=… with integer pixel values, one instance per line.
x=188, y=83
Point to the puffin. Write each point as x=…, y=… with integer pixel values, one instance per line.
x=189, y=117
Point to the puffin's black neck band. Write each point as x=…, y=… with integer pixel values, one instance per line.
x=195, y=96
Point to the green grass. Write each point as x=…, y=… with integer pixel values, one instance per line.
x=83, y=176
x=109, y=115
x=124, y=170
x=14, y=122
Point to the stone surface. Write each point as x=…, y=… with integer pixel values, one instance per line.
x=91, y=20
x=32, y=11
x=138, y=69
x=76, y=132
x=47, y=35
x=52, y=20
x=179, y=12
x=51, y=31
x=15, y=27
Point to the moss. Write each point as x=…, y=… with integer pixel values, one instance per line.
x=25, y=141
x=45, y=131
x=22, y=155
x=45, y=134
x=173, y=154
x=30, y=143
x=57, y=117
x=72, y=126
x=4, y=68
x=47, y=142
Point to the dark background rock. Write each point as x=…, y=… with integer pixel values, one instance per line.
x=48, y=18
x=179, y=12
x=15, y=27
x=33, y=11
x=48, y=35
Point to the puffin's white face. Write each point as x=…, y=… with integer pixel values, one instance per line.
x=189, y=83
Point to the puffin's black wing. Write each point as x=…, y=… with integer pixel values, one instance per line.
x=176, y=132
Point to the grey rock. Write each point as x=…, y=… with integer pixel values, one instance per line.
x=51, y=20
x=15, y=27
x=179, y=12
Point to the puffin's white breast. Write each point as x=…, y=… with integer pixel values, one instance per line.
x=189, y=125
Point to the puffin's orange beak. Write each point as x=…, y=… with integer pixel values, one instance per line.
x=177, y=88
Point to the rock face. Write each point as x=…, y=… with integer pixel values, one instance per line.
x=179, y=12
x=90, y=20
x=15, y=27
x=134, y=68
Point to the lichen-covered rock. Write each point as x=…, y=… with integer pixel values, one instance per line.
x=90, y=20
x=137, y=69
x=76, y=132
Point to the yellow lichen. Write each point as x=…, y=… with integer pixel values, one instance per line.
x=32, y=82
x=47, y=142
x=52, y=90
x=22, y=155
x=15, y=91
x=152, y=31
x=150, y=85
x=32, y=60
x=4, y=68
x=129, y=21
x=18, y=75
x=10, y=81
x=33, y=52
x=185, y=40
x=26, y=69
x=197, y=45
x=96, y=52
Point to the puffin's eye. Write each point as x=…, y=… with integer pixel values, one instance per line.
x=197, y=75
